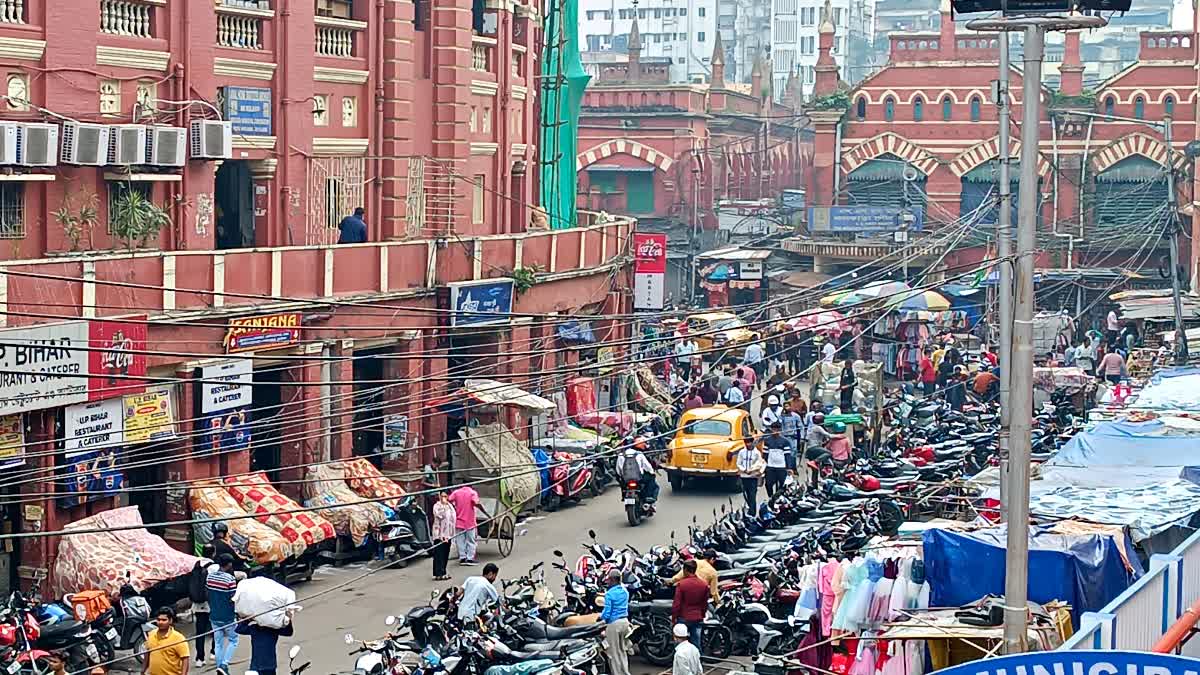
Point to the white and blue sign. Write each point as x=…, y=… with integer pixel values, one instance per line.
x=863, y=219
x=249, y=109
x=1072, y=662
x=227, y=431
x=479, y=303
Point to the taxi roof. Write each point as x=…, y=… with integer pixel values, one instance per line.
x=713, y=315
x=715, y=412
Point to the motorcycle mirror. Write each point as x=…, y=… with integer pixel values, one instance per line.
x=390, y=620
x=294, y=652
x=349, y=639
x=557, y=553
x=694, y=519
x=592, y=534
x=672, y=535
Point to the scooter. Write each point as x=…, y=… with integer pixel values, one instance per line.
x=132, y=623
x=405, y=534
x=570, y=476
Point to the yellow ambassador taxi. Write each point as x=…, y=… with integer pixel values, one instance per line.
x=703, y=442
x=721, y=330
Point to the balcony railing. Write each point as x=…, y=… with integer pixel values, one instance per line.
x=338, y=37
x=483, y=50
x=241, y=27
x=12, y=11
x=132, y=18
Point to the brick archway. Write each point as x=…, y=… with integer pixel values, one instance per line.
x=623, y=146
x=890, y=143
x=988, y=150
x=1134, y=144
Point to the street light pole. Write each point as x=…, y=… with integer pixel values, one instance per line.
x=1181, y=344
x=1004, y=252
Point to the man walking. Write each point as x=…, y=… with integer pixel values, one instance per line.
x=465, y=499
x=749, y=468
x=691, y=602
x=777, y=448
x=166, y=648
x=684, y=350
x=264, y=643
x=478, y=592
x=687, y=654
x=353, y=229
x=616, y=618
x=221, y=585
x=755, y=360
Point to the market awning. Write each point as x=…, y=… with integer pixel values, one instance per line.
x=576, y=333
x=491, y=392
x=735, y=253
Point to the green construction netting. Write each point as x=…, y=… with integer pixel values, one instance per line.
x=563, y=82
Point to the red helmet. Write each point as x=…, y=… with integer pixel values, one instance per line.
x=641, y=442
x=869, y=484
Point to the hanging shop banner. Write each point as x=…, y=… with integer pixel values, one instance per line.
x=226, y=431
x=649, y=270
x=1080, y=662
x=89, y=476
x=116, y=358
x=148, y=417
x=90, y=426
x=481, y=303
x=225, y=386
x=43, y=367
x=248, y=109
x=12, y=441
x=395, y=435
x=263, y=332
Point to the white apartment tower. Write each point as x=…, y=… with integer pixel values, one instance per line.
x=681, y=30
x=794, y=40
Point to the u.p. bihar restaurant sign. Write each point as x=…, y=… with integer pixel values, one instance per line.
x=1076, y=662
x=73, y=362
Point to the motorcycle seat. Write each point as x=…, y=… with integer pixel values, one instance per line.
x=653, y=605
x=420, y=613
x=570, y=632
x=557, y=645
x=734, y=573
x=60, y=630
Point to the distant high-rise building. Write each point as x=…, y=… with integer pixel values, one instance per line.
x=680, y=30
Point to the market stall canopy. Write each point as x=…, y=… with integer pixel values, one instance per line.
x=821, y=321
x=1154, y=305
x=928, y=301
x=491, y=392
x=798, y=279
x=872, y=292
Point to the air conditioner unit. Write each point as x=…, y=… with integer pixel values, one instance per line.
x=168, y=146
x=129, y=144
x=212, y=139
x=9, y=132
x=85, y=144
x=37, y=145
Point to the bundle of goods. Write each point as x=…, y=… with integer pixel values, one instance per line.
x=251, y=539
x=254, y=493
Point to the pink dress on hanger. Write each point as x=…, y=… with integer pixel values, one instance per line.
x=825, y=588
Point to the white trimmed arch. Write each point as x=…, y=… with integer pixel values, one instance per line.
x=988, y=150
x=890, y=143
x=623, y=146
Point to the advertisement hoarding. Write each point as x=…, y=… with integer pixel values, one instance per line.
x=263, y=332
x=117, y=358
x=480, y=303
x=649, y=270
x=89, y=426
x=43, y=367
x=225, y=386
x=863, y=219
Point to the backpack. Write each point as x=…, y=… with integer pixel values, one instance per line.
x=198, y=582
x=92, y=603
x=630, y=469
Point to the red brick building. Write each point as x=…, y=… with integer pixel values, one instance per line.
x=671, y=151
x=425, y=114
x=927, y=115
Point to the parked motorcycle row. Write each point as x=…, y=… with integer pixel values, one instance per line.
x=83, y=627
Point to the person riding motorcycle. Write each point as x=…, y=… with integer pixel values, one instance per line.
x=632, y=464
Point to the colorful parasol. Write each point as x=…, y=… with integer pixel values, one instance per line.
x=821, y=321
x=876, y=290
x=926, y=301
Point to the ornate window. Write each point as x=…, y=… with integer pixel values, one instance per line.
x=889, y=109
x=976, y=109
x=947, y=108
x=918, y=109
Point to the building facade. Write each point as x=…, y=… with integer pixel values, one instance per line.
x=794, y=38
x=258, y=343
x=682, y=31
x=922, y=133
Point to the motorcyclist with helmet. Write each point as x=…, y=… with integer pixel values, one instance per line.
x=632, y=464
x=221, y=545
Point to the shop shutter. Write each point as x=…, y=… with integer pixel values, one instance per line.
x=880, y=182
x=639, y=191
x=1129, y=197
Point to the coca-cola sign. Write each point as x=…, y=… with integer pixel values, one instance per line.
x=116, y=358
x=650, y=253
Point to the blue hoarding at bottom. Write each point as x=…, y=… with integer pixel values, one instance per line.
x=1074, y=662
x=863, y=218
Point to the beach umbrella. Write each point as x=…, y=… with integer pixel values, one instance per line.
x=928, y=301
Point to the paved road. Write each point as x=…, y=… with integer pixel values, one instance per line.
x=337, y=601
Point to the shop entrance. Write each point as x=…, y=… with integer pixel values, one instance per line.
x=368, y=406
x=267, y=420
x=235, y=205
x=147, y=492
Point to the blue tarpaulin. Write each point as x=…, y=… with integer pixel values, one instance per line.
x=1141, y=444
x=1085, y=571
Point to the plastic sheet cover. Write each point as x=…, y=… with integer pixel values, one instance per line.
x=1172, y=389
x=1085, y=571
x=1129, y=444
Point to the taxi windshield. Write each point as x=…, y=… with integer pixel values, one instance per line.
x=708, y=428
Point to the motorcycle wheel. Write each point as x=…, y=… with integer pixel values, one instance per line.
x=717, y=642
x=105, y=648
x=633, y=514
x=139, y=647
x=658, y=645
x=36, y=666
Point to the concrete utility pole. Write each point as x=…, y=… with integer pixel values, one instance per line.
x=1016, y=570
x=1181, y=343
x=1004, y=252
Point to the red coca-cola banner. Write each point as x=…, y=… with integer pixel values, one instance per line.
x=650, y=253
x=117, y=353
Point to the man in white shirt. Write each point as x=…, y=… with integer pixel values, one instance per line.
x=478, y=592
x=684, y=349
x=772, y=413
x=1112, y=325
x=755, y=359
x=687, y=657
x=734, y=396
x=749, y=466
x=828, y=351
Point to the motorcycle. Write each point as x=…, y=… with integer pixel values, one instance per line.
x=570, y=477
x=133, y=623
x=637, y=506
x=404, y=535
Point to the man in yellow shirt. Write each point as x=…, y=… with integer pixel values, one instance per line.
x=938, y=355
x=166, y=648
x=706, y=571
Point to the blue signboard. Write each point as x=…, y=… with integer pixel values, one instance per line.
x=226, y=431
x=1075, y=662
x=249, y=109
x=863, y=219
x=478, y=303
x=90, y=475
